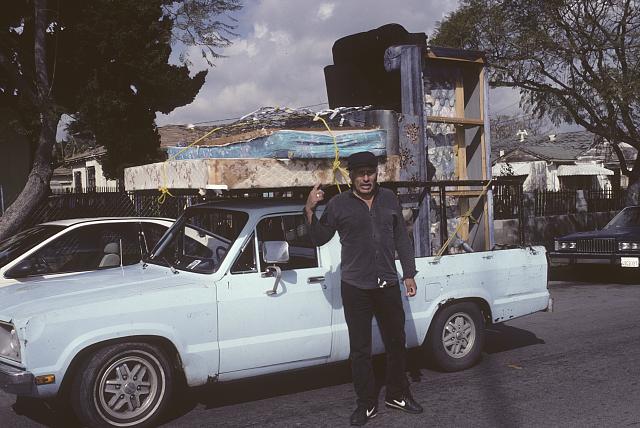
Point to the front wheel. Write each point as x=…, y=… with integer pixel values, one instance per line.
x=122, y=385
x=456, y=337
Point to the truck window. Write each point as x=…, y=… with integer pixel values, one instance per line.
x=152, y=232
x=293, y=229
x=199, y=240
x=246, y=261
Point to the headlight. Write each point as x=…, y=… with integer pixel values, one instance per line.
x=627, y=246
x=9, y=343
x=565, y=245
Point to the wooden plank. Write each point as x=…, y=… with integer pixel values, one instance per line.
x=461, y=155
x=433, y=57
x=456, y=120
x=464, y=192
x=411, y=131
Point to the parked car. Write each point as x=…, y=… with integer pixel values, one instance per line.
x=618, y=243
x=235, y=289
x=64, y=247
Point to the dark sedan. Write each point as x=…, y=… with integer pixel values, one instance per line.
x=618, y=243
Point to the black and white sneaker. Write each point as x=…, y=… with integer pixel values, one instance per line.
x=362, y=414
x=406, y=403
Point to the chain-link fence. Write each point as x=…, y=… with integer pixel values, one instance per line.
x=115, y=203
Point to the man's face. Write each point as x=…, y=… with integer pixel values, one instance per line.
x=364, y=179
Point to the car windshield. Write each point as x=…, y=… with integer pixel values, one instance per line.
x=628, y=217
x=18, y=244
x=199, y=240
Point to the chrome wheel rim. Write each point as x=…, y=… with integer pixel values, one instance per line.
x=130, y=389
x=459, y=335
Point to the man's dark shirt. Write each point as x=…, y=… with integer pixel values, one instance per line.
x=369, y=238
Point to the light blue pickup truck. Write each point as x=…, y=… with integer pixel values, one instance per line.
x=234, y=289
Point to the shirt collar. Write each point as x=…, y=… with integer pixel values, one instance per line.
x=375, y=192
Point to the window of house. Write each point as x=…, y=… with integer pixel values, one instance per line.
x=77, y=181
x=91, y=179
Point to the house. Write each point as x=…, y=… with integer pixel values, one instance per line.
x=571, y=160
x=61, y=180
x=86, y=171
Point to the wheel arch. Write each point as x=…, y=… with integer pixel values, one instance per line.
x=482, y=303
x=162, y=342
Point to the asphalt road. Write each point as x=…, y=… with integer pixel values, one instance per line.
x=576, y=367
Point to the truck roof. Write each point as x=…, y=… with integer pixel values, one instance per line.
x=265, y=206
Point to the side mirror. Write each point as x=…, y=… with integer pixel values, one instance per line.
x=275, y=251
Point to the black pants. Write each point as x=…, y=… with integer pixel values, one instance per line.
x=359, y=308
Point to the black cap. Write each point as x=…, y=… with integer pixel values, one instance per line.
x=360, y=159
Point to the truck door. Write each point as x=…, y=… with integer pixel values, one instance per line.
x=292, y=325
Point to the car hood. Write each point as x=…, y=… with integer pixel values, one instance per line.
x=618, y=233
x=31, y=298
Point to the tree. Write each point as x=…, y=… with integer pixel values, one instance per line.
x=106, y=64
x=505, y=126
x=574, y=60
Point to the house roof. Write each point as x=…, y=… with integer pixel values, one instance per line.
x=93, y=152
x=583, y=169
x=563, y=148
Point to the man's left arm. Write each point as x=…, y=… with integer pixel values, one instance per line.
x=404, y=247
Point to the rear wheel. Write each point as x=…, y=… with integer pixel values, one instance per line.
x=122, y=385
x=456, y=337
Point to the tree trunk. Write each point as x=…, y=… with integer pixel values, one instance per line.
x=633, y=190
x=37, y=186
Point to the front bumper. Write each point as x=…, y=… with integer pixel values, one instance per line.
x=15, y=380
x=558, y=258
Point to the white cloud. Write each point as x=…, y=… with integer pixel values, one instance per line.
x=325, y=11
x=260, y=30
x=282, y=50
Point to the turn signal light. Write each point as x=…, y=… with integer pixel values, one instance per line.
x=45, y=379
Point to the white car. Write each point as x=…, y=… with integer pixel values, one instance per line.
x=63, y=247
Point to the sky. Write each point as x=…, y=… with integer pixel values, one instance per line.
x=283, y=46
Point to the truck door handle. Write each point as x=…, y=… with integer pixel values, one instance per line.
x=315, y=279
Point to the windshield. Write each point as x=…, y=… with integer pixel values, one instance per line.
x=18, y=244
x=199, y=240
x=628, y=217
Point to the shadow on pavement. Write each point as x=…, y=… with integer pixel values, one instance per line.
x=499, y=338
x=287, y=383
x=45, y=413
x=595, y=274
x=502, y=337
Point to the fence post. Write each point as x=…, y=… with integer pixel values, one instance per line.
x=527, y=216
x=581, y=202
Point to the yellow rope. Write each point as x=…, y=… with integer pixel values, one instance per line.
x=164, y=190
x=336, y=160
x=465, y=216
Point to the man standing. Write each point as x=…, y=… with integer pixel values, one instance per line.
x=369, y=221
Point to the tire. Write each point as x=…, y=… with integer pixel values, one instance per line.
x=456, y=337
x=122, y=385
